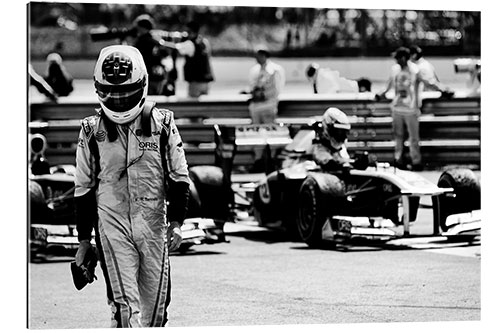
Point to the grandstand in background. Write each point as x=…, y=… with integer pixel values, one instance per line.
x=289, y=32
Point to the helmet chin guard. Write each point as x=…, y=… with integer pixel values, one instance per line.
x=121, y=82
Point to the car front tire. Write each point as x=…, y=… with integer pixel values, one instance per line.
x=466, y=198
x=316, y=203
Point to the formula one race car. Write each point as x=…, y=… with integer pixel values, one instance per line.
x=51, y=207
x=368, y=200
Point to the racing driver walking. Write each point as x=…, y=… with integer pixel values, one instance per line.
x=128, y=155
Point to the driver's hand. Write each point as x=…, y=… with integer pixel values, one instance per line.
x=174, y=236
x=346, y=168
x=82, y=251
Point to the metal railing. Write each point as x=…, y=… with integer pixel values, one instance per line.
x=450, y=129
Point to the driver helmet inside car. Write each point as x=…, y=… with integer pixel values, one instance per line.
x=121, y=82
x=336, y=126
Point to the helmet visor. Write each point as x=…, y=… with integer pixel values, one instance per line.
x=121, y=98
x=338, y=134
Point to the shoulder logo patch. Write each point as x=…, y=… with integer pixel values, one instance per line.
x=88, y=125
x=87, y=128
x=166, y=115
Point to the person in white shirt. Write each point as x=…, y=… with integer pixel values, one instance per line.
x=473, y=68
x=406, y=79
x=329, y=81
x=427, y=70
x=267, y=80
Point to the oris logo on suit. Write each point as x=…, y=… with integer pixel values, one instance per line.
x=146, y=145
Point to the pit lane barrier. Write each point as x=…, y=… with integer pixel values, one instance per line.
x=450, y=129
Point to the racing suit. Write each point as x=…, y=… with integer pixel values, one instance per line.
x=128, y=177
x=328, y=157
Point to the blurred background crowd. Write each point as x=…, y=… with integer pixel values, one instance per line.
x=66, y=28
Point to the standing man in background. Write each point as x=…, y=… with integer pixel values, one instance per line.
x=154, y=55
x=197, y=67
x=426, y=69
x=267, y=80
x=57, y=75
x=406, y=79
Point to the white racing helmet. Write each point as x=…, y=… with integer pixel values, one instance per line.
x=336, y=126
x=121, y=82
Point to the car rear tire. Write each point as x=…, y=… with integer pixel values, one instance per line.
x=211, y=196
x=467, y=194
x=266, y=213
x=315, y=204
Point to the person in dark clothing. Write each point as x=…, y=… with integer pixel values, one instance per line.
x=161, y=81
x=57, y=76
x=197, y=67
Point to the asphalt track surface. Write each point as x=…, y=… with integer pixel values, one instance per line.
x=261, y=278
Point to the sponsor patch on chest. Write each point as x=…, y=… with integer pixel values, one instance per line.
x=148, y=145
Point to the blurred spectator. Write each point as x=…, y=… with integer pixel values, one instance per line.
x=39, y=82
x=267, y=80
x=57, y=76
x=197, y=67
x=405, y=79
x=161, y=81
x=473, y=68
x=474, y=82
x=364, y=85
x=425, y=68
x=328, y=81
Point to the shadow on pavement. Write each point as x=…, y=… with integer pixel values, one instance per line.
x=368, y=246
x=364, y=245
x=265, y=236
x=68, y=256
x=194, y=253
